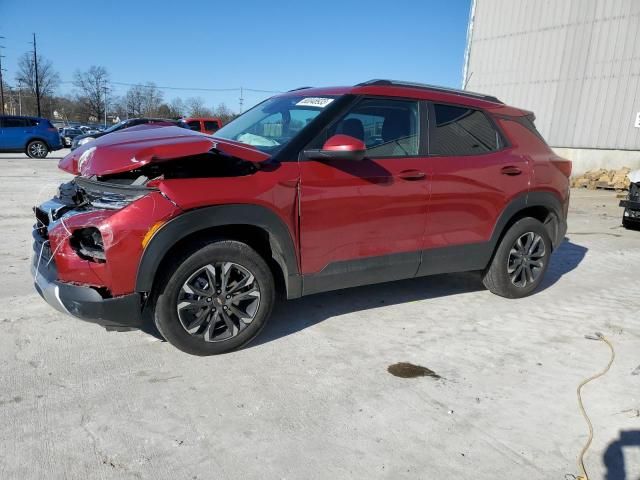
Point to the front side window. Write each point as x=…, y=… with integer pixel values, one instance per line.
x=211, y=126
x=272, y=124
x=388, y=127
x=194, y=125
x=462, y=131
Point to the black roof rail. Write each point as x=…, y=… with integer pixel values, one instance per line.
x=299, y=88
x=433, y=88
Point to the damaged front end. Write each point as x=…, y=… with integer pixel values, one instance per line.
x=631, y=205
x=89, y=238
x=86, y=240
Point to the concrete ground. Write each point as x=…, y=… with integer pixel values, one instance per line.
x=312, y=398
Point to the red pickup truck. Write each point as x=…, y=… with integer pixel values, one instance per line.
x=207, y=125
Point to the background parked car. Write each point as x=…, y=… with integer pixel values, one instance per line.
x=32, y=135
x=68, y=134
x=204, y=125
x=87, y=137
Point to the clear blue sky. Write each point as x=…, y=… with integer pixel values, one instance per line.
x=268, y=45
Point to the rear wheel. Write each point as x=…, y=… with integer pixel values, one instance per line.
x=37, y=149
x=520, y=261
x=216, y=300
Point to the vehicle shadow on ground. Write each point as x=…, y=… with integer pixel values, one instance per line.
x=614, y=458
x=292, y=316
x=295, y=315
x=565, y=259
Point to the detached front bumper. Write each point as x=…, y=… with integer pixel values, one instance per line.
x=83, y=302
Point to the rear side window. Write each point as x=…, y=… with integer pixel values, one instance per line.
x=15, y=122
x=194, y=125
x=462, y=131
x=211, y=126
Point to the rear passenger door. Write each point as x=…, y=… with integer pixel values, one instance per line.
x=15, y=132
x=475, y=174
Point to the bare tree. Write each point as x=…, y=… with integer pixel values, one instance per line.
x=93, y=87
x=143, y=100
x=177, y=108
x=196, y=107
x=48, y=79
x=224, y=113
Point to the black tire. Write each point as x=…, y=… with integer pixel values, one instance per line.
x=630, y=224
x=172, y=288
x=497, y=277
x=37, y=149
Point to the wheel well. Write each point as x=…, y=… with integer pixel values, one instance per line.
x=33, y=139
x=256, y=237
x=543, y=214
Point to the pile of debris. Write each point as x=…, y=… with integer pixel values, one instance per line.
x=602, y=178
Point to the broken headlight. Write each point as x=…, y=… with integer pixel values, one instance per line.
x=112, y=201
x=88, y=244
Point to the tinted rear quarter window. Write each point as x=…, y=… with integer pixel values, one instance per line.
x=462, y=131
x=15, y=122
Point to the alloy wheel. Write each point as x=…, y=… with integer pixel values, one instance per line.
x=218, y=301
x=38, y=150
x=526, y=259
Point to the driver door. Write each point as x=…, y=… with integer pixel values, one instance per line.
x=363, y=221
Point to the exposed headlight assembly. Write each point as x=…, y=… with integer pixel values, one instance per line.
x=110, y=196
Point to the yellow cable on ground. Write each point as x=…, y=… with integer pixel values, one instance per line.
x=598, y=336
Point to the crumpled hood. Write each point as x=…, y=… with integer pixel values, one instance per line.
x=138, y=146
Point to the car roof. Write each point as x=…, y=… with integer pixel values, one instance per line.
x=419, y=91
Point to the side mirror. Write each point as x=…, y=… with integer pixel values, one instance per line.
x=339, y=147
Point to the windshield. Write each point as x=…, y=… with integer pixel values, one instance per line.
x=73, y=131
x=270, y=125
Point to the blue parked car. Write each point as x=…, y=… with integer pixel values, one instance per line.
x=32, y=135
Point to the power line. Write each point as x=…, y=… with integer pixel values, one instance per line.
x=195, y=89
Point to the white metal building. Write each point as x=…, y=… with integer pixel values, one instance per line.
x=574, y=63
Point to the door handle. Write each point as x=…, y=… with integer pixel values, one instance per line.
x=511, y=171
x=412, y=175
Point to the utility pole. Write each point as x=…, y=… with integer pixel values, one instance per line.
x=20, y=97
x=1, y=85
x=1, y=82
x=35, y=62
x=241, y=99
x=105, y=105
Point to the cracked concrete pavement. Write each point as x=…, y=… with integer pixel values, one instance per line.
x=312, y=397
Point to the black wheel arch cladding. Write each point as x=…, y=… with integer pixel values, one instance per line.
x=194, y=221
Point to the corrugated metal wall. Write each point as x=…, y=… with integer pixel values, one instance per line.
x=575, y=63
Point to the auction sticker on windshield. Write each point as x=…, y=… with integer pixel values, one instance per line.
x=314, y=102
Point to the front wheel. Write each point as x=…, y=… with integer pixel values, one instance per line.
x=520, y=261
x=216, y=300
x=37, y=149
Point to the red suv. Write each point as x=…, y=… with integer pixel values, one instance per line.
x=316, y=189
